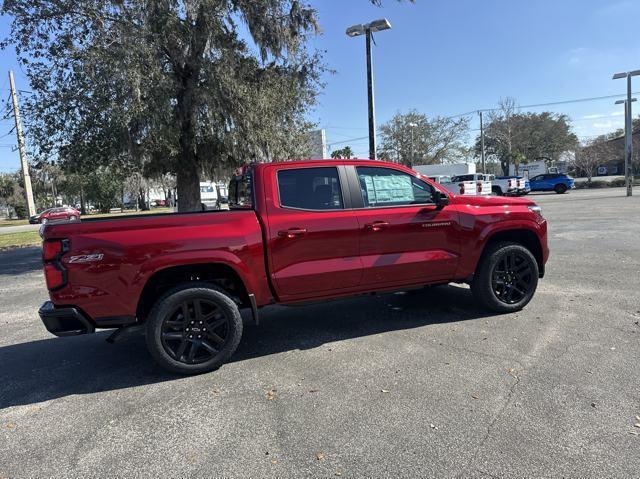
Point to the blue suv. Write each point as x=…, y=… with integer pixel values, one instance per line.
x=558, y=182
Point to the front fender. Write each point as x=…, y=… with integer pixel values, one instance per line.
x=485, y=233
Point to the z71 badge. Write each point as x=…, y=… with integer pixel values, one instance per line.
x=86, y=258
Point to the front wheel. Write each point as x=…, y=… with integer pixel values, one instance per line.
x=194, y=328
x=560, y=189
x=506, y=277
x=496, y=190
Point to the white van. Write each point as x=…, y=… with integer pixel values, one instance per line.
x=209, y=196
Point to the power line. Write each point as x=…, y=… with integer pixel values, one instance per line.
x=473, y=112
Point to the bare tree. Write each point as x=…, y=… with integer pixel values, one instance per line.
x=412, y=138
x=501, y=130
x=591, y=155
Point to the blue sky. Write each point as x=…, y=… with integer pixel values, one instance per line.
x=454, y=56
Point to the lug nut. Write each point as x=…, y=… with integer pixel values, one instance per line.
x=199, y=336
x=191, y=336
x=204, y=329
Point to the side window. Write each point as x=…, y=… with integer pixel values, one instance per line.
x=387, y=187
x=310, y=188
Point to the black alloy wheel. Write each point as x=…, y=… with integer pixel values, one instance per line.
x=195, y=331
x=506, y=277
x=193, y=328
x=512, y=277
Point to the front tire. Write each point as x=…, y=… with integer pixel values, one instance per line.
x=193, y=328
x=496, y=190
x=506, y=277
x=560, y=189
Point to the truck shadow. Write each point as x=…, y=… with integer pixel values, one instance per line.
x=20, y=260
x=52, y=368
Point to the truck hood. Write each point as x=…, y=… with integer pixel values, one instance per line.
x=489, y=200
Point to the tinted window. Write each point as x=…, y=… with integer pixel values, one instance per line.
x=310, y=188
x=206, y=189
x=240, y=192
x=463, y=178
x=386, y=187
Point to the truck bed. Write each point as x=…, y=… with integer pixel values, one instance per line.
x=110, y=260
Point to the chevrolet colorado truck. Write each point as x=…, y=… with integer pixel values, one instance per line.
x=296, y=232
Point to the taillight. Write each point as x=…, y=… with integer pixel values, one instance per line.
x=479, y=187
x=53, y=249
x=54, y=273
x=461, y=185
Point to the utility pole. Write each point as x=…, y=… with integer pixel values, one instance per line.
x=628, y=137
x=482, y=141
x=21, y=149
x=412, y=157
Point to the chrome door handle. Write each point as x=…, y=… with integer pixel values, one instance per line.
x=292, y=232
x=376, y=226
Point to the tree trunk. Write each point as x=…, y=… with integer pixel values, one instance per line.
x=83, y=207
x=188, y=186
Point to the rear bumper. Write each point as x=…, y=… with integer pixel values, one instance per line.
x=64, y=321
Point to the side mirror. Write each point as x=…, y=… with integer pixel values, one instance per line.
x=440, y=199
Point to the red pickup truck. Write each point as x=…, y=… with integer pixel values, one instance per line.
x=296, y=232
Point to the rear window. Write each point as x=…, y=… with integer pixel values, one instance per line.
x=241, y=191
x=310, y=188
x=463, y=178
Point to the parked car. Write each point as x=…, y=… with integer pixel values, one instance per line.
x=558, y=182
x=297, y=232
x=56, y=214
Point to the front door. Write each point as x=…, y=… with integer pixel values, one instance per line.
x=404, y=237
x=312, y=237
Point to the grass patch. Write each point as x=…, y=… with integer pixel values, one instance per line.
x=13, y=223
x=15, y=240
x=153, y=211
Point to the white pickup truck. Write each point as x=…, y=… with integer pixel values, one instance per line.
x=476, y=184
x=515, y=186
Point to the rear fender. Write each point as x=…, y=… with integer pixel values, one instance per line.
x=154, y=265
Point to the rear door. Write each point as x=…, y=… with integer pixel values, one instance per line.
x=312, y=236
x=404, y=237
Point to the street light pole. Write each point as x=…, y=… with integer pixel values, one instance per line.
x=370, y=98
x=482, y=142
x=628, y=137
x=367, y=30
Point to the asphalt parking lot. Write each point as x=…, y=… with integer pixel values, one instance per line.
x=422, y=384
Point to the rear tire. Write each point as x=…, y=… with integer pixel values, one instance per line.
x=506, y=277
x=496, y=190
x=193, y=328
x=560, y=189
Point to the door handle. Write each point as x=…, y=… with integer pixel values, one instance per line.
x=376, y=226
x=292, y=232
